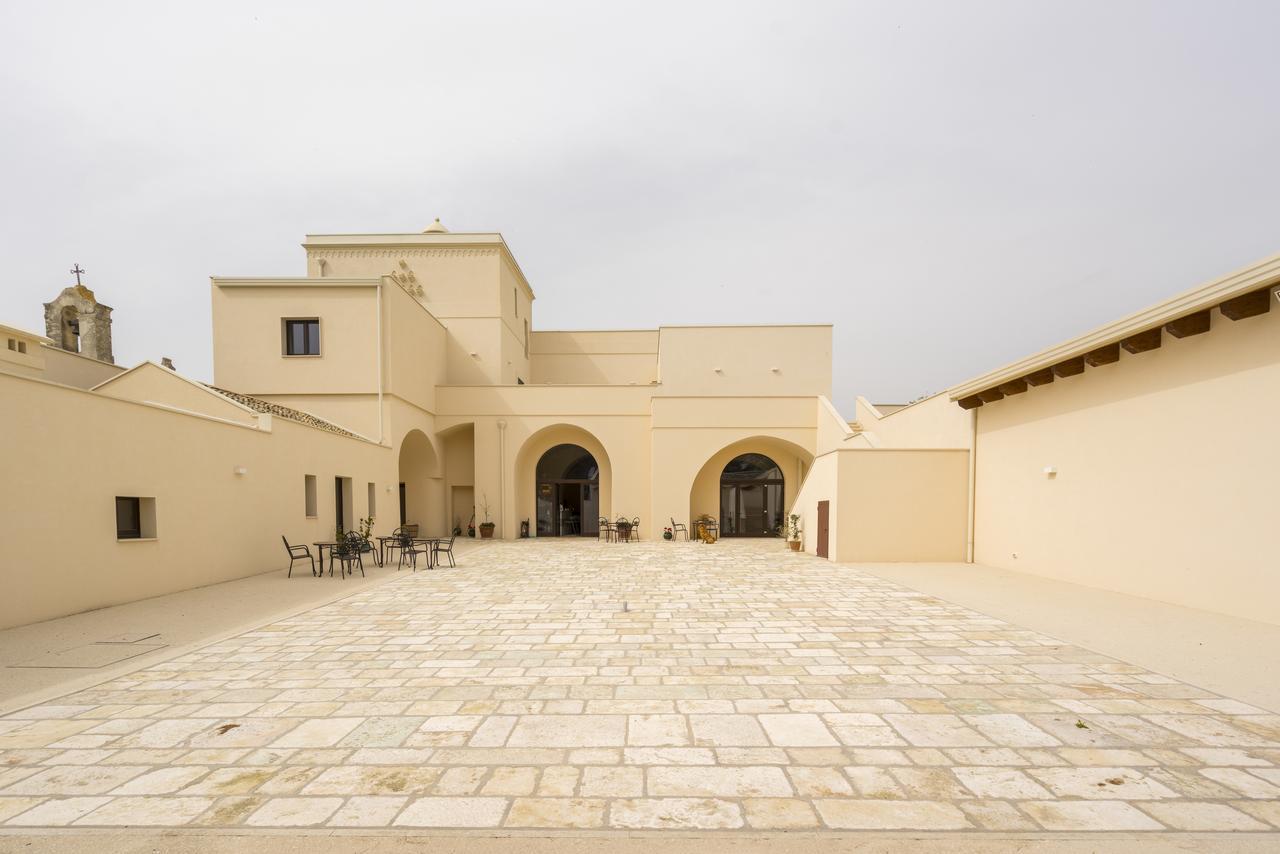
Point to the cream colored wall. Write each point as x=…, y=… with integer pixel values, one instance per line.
x=746, y=356
x=620, y=358
x=212, y=524
x=28, y=364
x=459, y=474
x=1167, y=468
x=935, y=422
x=414, y=360
x=820, y=484
x=150, y=383
x=902, y=505
x=61, y=366
x=517, y=307
x=247, y=338
x=355, y=412
x=481, y=336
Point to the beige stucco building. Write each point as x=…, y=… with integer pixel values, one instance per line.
x=403, y=377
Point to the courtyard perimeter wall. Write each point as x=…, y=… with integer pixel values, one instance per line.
x=68, y=453
x=889, y=505
x=1167, y=471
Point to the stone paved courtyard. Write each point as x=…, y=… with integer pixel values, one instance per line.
x=643, y=686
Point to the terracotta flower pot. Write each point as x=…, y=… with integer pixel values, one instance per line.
x=794, y=544
x=486, y=532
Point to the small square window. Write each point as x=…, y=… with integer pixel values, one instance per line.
x=135, y=518
x=13, y=343
x=22, y=346
x=302, y=337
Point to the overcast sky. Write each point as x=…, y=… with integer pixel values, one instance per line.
x=953, y=185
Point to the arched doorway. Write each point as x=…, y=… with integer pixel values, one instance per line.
x=752, y=498
x=567, y=485
x=421, y=487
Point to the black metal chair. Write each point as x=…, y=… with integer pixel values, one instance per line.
x=678, y=528
x=606, y=531
x=410, y=548
x=393, y=542
x=444, y=547
x=348, y=554
x=298, y=553
x=635, y=528
x=622, y=530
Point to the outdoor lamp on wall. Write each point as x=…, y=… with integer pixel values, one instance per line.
x=241, y=470
x=1050, y=471
x=717, y=370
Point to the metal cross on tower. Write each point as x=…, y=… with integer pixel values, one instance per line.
x=77, y=270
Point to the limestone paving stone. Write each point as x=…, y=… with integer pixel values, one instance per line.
x=578, y=684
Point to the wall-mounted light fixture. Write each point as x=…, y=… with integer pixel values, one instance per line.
x=717, y=370
x=1050, y=471
x=776, y=369
x=241, y=470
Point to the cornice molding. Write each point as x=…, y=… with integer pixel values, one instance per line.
x=1264, y=273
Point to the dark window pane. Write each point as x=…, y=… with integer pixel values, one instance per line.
x=313, y=338
x=128, y=519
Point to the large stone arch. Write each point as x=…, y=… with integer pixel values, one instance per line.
x=538, y=444
x=794, y=460
x=420, y=473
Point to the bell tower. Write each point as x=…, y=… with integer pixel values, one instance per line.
x=75, y=321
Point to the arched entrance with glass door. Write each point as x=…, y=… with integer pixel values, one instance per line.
x=567, y=488
x=752, y=497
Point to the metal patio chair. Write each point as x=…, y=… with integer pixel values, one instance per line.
x=348, y=554
x=298, y=553
x=678, y=528
x=442, y=547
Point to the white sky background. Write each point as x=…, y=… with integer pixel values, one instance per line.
x=953, y=185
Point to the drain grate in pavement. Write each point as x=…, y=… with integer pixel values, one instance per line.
x=91, y=656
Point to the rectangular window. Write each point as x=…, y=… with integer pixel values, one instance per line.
x=22, y=346
x=302, y=337
x=526, y=338
x=13, y=343
x=373, y=501
x=310, y=487
x=135, y=518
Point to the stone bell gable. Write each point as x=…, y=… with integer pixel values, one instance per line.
x=77, y=322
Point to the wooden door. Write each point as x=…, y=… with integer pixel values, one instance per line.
x=824, y=527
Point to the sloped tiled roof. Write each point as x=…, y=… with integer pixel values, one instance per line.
x=259, y=405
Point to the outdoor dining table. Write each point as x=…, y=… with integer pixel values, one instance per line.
x=429, y=542
x=323, y=546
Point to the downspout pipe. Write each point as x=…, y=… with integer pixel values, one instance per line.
x=973, y=483
x=382, y=435
x=502, y=476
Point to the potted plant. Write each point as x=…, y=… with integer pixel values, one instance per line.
x=457, y=527
x=793, y=532
x=667, y=534
x=366, y=534
x=471, y=526
x=486, y=527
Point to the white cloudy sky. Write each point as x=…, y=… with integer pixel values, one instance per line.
x=952, y=184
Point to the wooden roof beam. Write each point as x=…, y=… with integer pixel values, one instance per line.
x=1013, y=387
x=1104, y=355
x=991, y=395
x=970, y=402
x=1192, y=324
x=1070, y=367
x=1247, y=305
x=1044, y=376
x=1142, y=341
